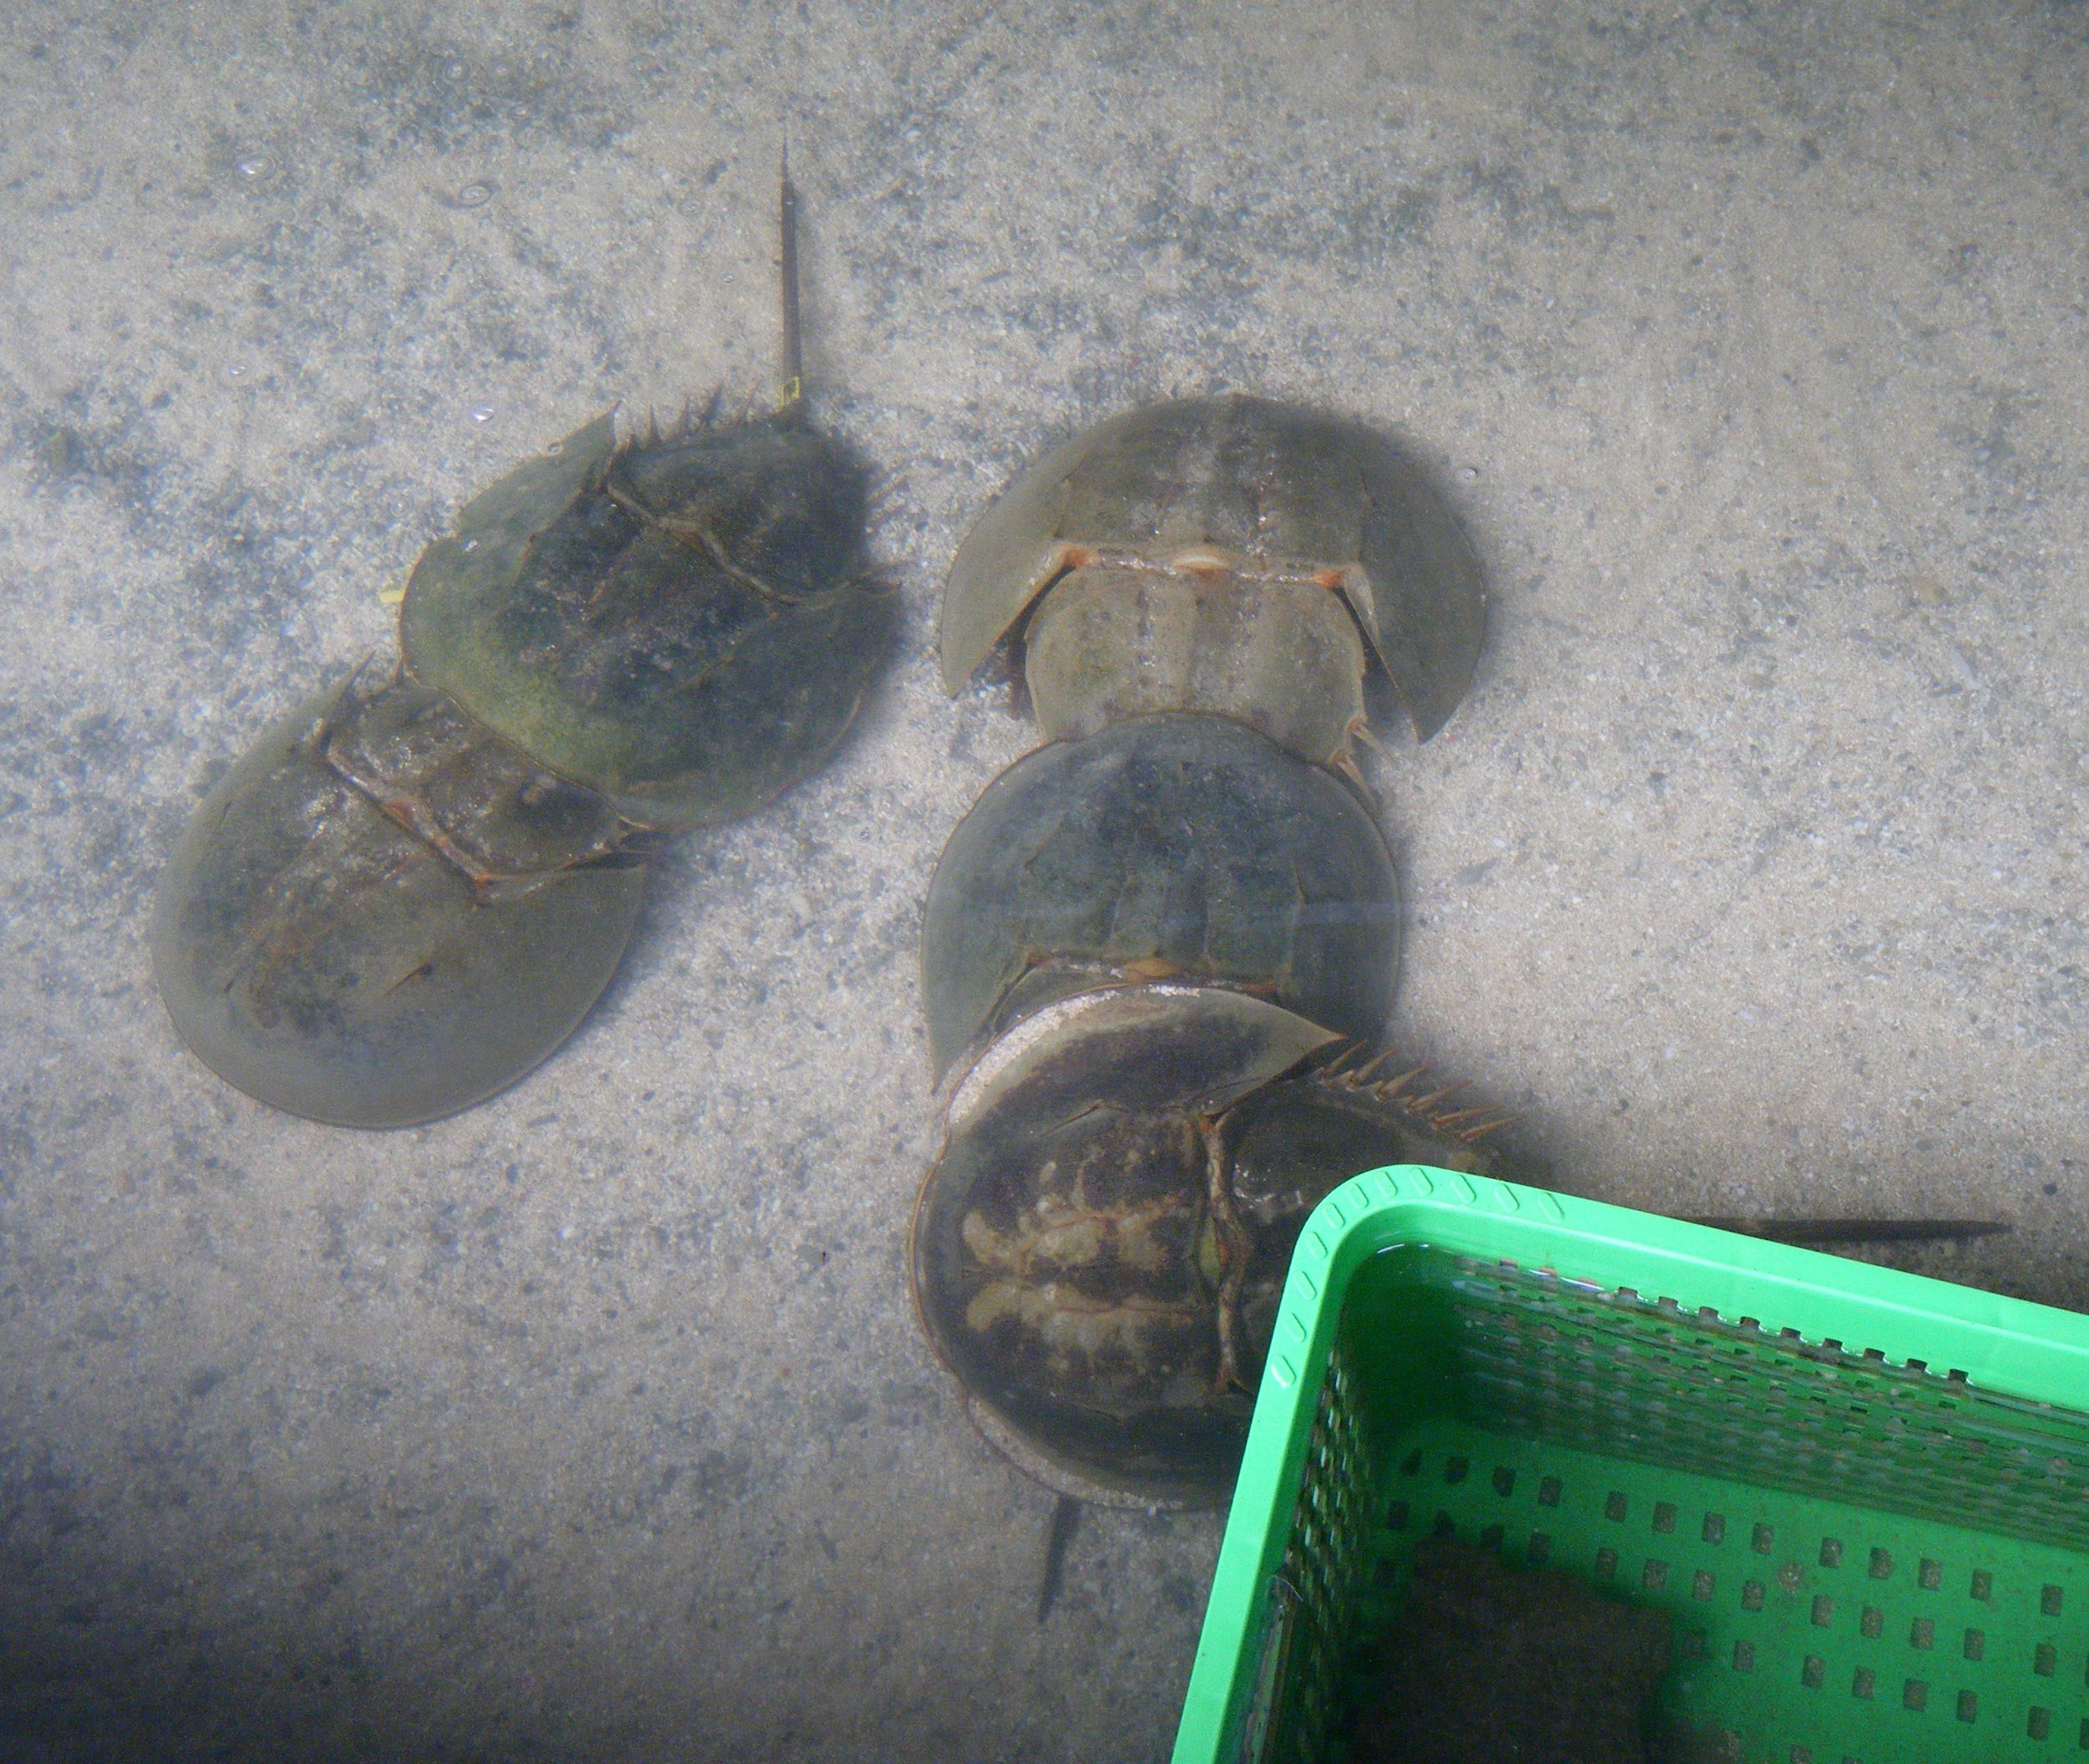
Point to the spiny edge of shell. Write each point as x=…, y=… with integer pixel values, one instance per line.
x=1356, y=1073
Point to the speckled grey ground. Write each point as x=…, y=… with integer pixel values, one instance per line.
x=594, y=1424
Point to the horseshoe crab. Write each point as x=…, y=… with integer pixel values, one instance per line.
x=1232, y=556
x=1169, y=848
x=381, y=914
x=1097, y=1254
x=684, y=626
x=1153, y=950
x=409, y=892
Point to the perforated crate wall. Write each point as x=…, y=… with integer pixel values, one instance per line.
x=1870, y=1540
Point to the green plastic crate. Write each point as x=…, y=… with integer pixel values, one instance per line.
x=1862, y=1495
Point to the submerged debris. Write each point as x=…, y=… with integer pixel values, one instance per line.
x=1490, y=1665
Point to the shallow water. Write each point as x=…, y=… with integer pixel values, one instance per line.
x=596, y=1422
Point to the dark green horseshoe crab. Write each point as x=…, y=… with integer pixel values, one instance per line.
x=412, y=889
x=683, y=626
x=1171, y=848
x=1155, y=950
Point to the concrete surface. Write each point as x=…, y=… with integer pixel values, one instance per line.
x=595, y=1423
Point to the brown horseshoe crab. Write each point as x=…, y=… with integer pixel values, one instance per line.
x=1097, y=1254
x=1154, y=949
x=410, y=891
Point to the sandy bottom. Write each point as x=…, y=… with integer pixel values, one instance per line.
x=596, y=1422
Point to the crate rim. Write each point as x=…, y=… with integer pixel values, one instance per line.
x=2004, y=1346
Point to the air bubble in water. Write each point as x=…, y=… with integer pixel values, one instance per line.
x=475, y=195
x=482, y=412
